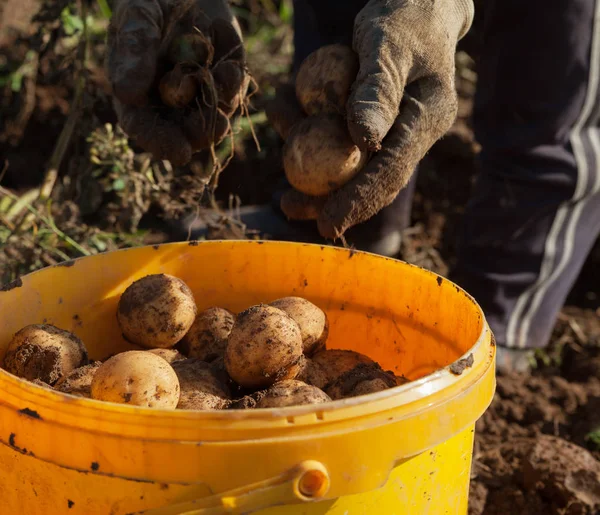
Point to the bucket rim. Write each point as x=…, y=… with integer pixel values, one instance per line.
x=414, y=393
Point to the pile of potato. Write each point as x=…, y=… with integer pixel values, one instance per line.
x=268, y=356
x=319, y=155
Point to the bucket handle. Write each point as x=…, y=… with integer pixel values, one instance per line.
x=306, y=482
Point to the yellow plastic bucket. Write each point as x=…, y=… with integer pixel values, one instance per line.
x=402, y=451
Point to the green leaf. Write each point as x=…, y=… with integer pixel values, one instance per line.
x=118, y=185
x=71, y=22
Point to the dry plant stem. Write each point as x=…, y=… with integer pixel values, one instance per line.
x=51, y=175
x=49, y=223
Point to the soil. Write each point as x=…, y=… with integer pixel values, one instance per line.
x=537, y=447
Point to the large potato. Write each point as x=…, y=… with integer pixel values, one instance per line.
x=319, y=156
x=291, y=393
x=79, y=381
x=138, y=378
x=156, y=311
x=207, y=338
x=325, y=78
x=200, y=386
x=336, y=362
x=311, y=319
x=265, y=346
x=44, y=352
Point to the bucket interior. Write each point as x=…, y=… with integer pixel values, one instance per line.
x=409, y=320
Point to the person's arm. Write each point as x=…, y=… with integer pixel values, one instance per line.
x=139, y=35
x=402, y=102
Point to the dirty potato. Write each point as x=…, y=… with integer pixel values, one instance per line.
x=325, y=78
x=336, y=362
x=363, y=379
x=207, y=338
x=177, y=88
x=312, y=373
x=291, y=393
x=156, y=311
x=200, y=386
x=137, y=378
x=79, y=381
x=44, y=352
x=311, y=319
x=319, y=156
x=265, y=346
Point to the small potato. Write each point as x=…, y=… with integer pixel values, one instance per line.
x=201, y=388
x=311, y=319
x=169, y=355
x=138, y=378
x=79, y=381
x=177, y=89
x=325, y=78
x=363, y=379
x=190, y=48
x=207, y=338
x=336, y=362
x=319, y=156
x=156, y=311
x=44, y=352
x=291, y=393
x=312, y=373
x=265, y=346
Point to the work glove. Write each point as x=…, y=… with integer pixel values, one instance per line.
x=139, y=39
x=401, y=103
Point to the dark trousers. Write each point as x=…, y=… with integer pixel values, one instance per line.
x=534, y=213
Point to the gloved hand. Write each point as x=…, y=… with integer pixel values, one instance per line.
x=401, y=103
x=139, y=37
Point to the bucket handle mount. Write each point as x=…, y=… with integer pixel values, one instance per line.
x=306, y=482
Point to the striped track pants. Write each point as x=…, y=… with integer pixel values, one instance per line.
x=535, y=211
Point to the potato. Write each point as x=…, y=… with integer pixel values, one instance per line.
x=156, y=311
x=169, y=355
x=138, y=378
x=363, y=379
x=190, y=48
x=312, y=373
x=325, y=78
x=291, y=393
x=319, y=156
x=44, y=352
x=177, y=89
x=79, y=381
x=336, y=362
x=265, y=346
x=312, y=321
x=207, y=338
x=200, y=386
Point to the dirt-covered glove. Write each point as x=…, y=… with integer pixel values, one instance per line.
x=140, y=37
x=402, y=102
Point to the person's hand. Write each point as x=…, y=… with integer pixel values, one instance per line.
x=141, y=35
x=401, y=103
